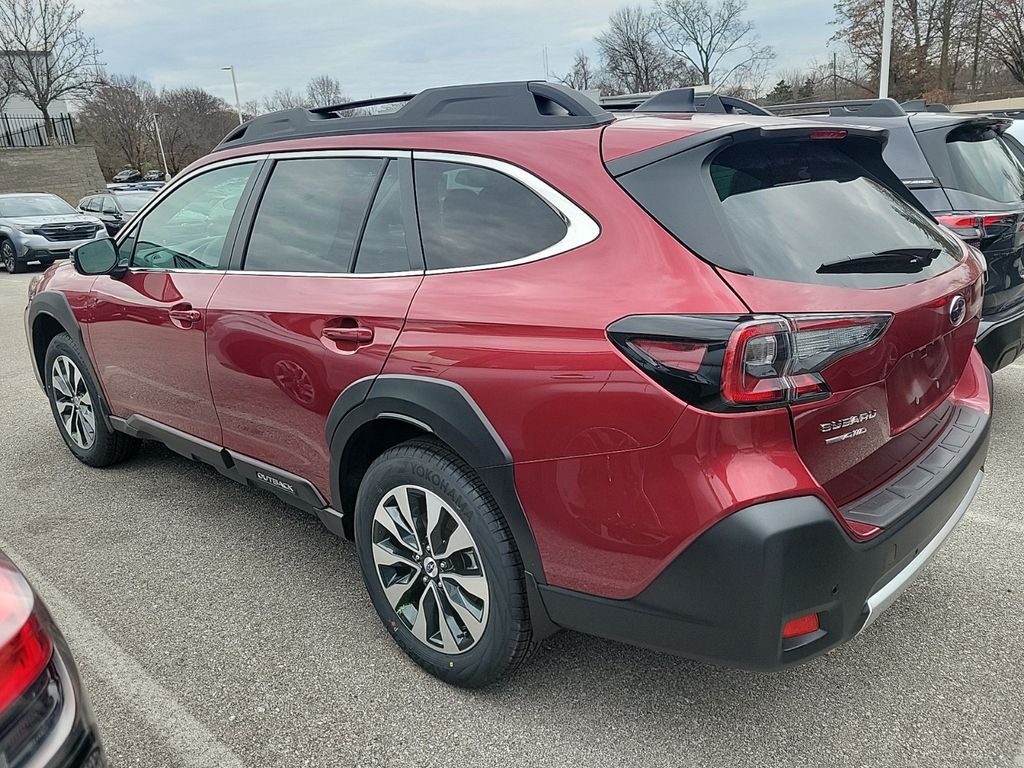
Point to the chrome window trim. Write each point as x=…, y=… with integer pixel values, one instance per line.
x=580, y=227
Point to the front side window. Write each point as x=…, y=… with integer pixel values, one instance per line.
x=189, y=227
x=109, y=206
x=311, y=214
x=473, y=216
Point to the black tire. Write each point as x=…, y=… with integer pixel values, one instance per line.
x=9, y=257
x=505, y=640
x=107, y=446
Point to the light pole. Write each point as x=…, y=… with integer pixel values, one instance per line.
x=238, y=104
x=160, y=141
x=883, y=75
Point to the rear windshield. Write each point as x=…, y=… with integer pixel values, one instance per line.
x=983, y=165
x=132, y=202
x=801, y=211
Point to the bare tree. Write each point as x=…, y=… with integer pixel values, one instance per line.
x=1006, y=35
x=324, y=91
x=285, y=98
x=714, y=39
x=583, y=76
x=119, y=117
x=192, y=122
x=633, y=57
x=44, y=54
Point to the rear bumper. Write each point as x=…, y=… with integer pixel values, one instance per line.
x=1001, y=338
x=726, y=598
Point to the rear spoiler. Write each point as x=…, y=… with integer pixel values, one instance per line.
x=743, y=132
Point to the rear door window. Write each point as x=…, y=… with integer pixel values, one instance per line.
x=383, y=247
x=983, y=165
x=796, y=211
x=311, y=214
x=473, y=216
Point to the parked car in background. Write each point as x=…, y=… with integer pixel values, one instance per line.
x=154, y=176
x=126, y=176
x=115, y=208
x=45, y=720
x=41, y=228
x=706, y=385
x=960, y=168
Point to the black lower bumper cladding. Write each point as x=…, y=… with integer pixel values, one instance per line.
x=726, y=598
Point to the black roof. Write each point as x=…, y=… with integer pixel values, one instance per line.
x=513, y=106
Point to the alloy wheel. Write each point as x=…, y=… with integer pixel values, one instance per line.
x=430, y=568
x=7, y=254
x=73, y=402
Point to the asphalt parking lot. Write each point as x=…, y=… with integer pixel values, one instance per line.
x=215, y=627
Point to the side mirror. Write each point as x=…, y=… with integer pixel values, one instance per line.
x=98, y=257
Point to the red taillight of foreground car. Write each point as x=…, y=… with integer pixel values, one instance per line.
x=733, y=363
x=25, y=647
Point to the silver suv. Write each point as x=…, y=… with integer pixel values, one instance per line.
x=42, y=228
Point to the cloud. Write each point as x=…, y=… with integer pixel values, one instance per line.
x=382, y=46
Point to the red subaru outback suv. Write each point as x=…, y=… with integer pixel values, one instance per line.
x=701, y=383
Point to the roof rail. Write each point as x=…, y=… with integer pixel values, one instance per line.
x=844, y=108
x=921, y=105
x=687, y=100
x=513, y=106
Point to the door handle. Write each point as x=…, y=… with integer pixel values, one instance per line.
x=184, y=316
x=357, y=335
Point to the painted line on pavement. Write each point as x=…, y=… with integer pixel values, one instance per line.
x=192, y=744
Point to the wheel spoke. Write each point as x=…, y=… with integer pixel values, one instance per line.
x=419, y=626
x=401, y=497
x=474, y=585
x=87, y=424
x=398, y=589
x=448, y=642
x=384, y=556
x=471, y=616
x=60, y=385
x=391, y=521
x=459, y=540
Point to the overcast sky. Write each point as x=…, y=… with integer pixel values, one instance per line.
x=383, y=47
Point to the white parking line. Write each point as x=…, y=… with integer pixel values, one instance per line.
x=192, y=744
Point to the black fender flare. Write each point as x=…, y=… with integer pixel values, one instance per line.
x=56, y=306
x=446, y=410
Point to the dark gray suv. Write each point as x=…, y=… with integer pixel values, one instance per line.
x=970, y=178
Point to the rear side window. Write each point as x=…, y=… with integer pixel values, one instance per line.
x=472, y=216
x=795, y=211
x=983, y=165
x=383, y=247
x=311, y=214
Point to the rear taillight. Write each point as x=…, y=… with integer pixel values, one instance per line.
x=974, y=227
x=25, y=647
x=737, y=363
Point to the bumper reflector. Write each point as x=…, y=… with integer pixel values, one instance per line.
x=801, y=626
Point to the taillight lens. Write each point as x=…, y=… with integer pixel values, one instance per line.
x=801, y=626
x=780, y=361
x=973, y=227
x=737, y=363
x=25, y=647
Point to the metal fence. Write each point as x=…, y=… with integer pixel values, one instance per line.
x=31, y=130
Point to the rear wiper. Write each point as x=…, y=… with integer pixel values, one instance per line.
x=899, y=260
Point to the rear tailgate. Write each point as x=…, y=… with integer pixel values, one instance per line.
x=811, y=225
